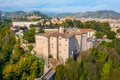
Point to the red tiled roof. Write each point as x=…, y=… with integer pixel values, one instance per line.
x=67, y=34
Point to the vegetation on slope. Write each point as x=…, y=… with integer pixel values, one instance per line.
x=97, y=64
x=102, y=28
x=15, y=63
x=22, y=16
x=95, y=14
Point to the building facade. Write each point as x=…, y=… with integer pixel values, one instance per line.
x=23, y=24
x=62, y=44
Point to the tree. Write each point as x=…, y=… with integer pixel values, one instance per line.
x=28, y=67
x=30, y=35
x=118, y=31
x=33, y=26
x=105, y=71
x=97, y=64
x=30, y=47
x=60, y=73
x=105, y=27
x=7, y=70
x=17, y=53
x=115, y=68
x=116, y=44
x=7, y=42
x=99, y=34
x=71, y=70
x=69, y=23
x=78, y=24
x=111, y=35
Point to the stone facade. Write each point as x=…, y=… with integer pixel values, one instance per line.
x=62, y=45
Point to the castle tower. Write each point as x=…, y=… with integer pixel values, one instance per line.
x=61, y=29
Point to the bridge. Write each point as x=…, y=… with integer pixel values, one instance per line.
x=49, y=75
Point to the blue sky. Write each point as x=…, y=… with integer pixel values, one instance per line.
x=60, y=5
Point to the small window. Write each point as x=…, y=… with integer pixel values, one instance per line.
x=60, y=38
x=65, y=49
x=60, y=44
x=66, y=39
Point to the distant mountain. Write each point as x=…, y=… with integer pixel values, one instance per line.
x=0, y=14
x=13, y=14
x=17, y=14
x=96, y=14
x=37, y=13
x=45, y=14
x=51, y=14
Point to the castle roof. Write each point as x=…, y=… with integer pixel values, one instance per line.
x=67, y=34
x=56, y=34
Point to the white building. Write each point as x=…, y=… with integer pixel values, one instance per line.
x=23, y=24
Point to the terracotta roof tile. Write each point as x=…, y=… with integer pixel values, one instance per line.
x=67, y=34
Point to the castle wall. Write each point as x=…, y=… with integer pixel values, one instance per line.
x=53, y=47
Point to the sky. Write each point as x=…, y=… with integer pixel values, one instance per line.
x=62, y=6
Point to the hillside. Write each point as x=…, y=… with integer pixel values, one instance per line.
x=13, y=14
x=37, y=13
x=102, y=63
x=18, y=14
x=96, y=14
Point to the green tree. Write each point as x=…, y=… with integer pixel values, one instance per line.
x=105, y=71
x=30, y=35
x=33, y=26
x=17, y=53
x=115, y=68
x=71, y=70
x=118, y=31
x=60, y=73
x=111, y=35
x=7, y=42
x=99, y=34
x=78, y=24
x=30, y=47
x=69, y=23
x=28, y=68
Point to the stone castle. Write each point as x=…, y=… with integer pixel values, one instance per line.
x=62, y=43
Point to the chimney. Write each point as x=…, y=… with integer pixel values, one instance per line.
x=61, y=29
